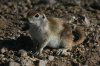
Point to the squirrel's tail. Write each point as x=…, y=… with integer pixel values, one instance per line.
x=79, y=35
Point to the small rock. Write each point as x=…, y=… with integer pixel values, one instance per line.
x=67, y=54
x=87, y=22
x=29, y=1
x=22, y=53
x=3, y=50
x=3, y=23
x=3, y=59
x=14, y=64
x=1, y=55
x=26, y=63
x=42, y=62
x=29, y=63
x=51, y=58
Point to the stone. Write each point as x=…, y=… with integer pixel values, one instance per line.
x=42, y=62
x=14, y=64
x=51, y=58
x=22, y=53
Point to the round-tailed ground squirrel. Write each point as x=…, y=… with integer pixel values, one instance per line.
x=52, y=32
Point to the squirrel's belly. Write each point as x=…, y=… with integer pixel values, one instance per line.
x=54, y=42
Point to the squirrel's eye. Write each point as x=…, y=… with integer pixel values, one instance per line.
x=37, y=15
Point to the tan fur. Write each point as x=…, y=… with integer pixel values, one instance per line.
x=52, y=32
x=79, y=30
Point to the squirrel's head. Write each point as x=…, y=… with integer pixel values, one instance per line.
x=37, y=19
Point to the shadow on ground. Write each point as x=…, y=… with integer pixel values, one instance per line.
x=23, y=42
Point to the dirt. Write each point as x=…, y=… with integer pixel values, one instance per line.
x=17, y=48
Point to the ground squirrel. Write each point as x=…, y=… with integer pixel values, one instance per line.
x=52, y=32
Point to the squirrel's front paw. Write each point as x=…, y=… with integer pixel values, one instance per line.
x=37, y=53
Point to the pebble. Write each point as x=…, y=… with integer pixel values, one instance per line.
x=42, y=62
x=26, y=62
x=23, y=53
x=13, y=64
x=87, y=22
x=1, y=55
x=3, y=50
x=51, y=58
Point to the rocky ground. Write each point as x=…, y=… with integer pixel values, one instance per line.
x=16, y=46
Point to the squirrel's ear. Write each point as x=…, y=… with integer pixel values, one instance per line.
x=37, y=15
x=44, y=16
